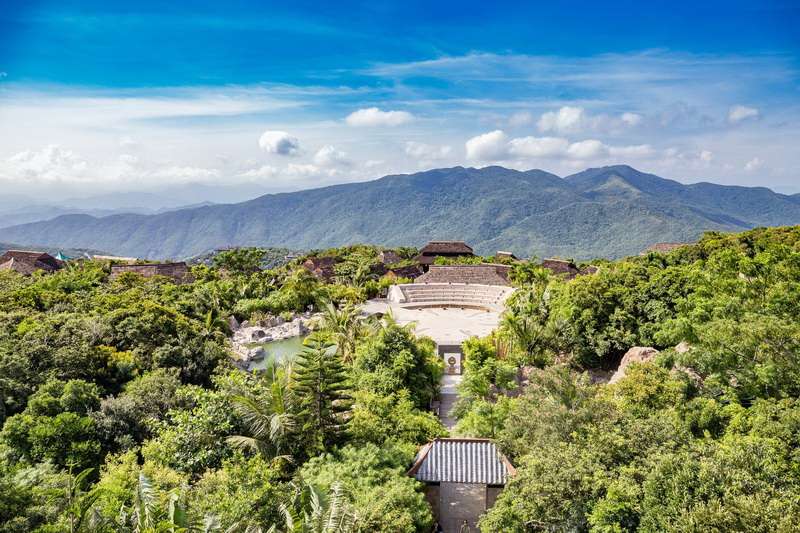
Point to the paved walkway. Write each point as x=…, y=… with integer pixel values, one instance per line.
x=448, y=397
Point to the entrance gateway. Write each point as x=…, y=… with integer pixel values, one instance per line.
x=452, y=356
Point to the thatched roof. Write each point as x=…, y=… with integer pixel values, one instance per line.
x=27, y=262
x=446, y=247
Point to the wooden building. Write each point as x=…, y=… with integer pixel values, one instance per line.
x=462, y=478
x=432, y=250
x=27, y=262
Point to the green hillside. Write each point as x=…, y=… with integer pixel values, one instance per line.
x=606, y=212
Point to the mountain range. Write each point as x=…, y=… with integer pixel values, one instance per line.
x=601, y=212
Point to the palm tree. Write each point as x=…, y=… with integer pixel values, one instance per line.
x=269, y=420
x=147, y=516
x=345, y=326
x=526, y=323
x=80, y=501
x=311, y=510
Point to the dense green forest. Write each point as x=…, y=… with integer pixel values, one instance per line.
x=122, y=409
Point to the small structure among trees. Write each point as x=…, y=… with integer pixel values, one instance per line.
x=27, y=262
x=462, y=477
x=177, y=271
x=432, y=250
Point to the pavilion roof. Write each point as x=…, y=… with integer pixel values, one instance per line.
x=461, y=461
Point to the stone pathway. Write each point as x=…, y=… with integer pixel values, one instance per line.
x=449, y=395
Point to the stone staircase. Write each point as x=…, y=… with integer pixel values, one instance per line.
x=420, y=295
x=447, y=398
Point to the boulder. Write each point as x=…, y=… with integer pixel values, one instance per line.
x=233, y=324
x=258, y=334
x=256, y=354
x=682, y=347
x=637, y=354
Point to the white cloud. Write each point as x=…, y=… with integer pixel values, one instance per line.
x=753, y=164
x=328, y=156
x=706, y=155
x=262, y=172
x=128, y=159
x=587, y=149
x=128, y=143
x=372, y=116
x=426, y=152
x=492, y=146
x=570, y=119
x=631, y=119
x=495, y=146
x=739, y=113
x=186, y=173
x=50, y=164
x=279, y=142
x=521, y=118
x=565, y=120
x=305, y=170
x=636, y=150
x=538, y=147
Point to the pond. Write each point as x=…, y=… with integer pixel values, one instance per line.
x=279, y=351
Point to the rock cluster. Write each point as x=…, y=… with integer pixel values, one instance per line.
x=637, y=354
x=276, y=328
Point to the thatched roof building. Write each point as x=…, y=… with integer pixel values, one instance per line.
x=27, y=262
x=432, y=250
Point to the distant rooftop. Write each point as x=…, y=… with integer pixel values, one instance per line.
x=446, y=247
x=27, y=262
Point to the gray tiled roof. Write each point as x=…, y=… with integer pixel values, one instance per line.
x=462, y=461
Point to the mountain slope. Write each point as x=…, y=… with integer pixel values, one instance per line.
x=610, y=212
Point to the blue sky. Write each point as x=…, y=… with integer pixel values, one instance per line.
x=135, y=95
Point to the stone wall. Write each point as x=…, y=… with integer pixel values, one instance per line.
x=475, y=274
x=177, y=271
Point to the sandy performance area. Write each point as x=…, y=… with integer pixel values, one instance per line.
x=445, y=326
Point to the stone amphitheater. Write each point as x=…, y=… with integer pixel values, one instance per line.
x=449, y=296
x=449, y=303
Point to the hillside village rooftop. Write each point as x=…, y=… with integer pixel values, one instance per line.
x=27, y=262
x=432, y=250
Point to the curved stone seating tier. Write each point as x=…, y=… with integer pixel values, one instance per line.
x=457, y=295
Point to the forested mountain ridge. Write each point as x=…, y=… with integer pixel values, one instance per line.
x=605, y=212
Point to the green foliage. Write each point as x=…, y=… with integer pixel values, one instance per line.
x=482, y=404
x=382, y=497
x=55, y=426
x=392, y=360
x=121, y=412
x=378, y=418
x=321, y=393
x=241, y=260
